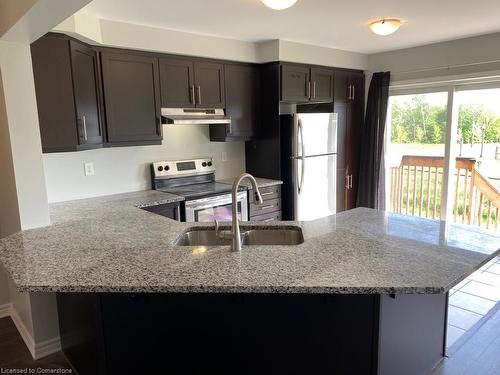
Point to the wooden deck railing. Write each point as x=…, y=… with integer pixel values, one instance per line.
x=416, y=186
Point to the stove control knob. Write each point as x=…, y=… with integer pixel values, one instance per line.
x=209, y=163
x=167, y=168
x=204, y=164
x=160, y=168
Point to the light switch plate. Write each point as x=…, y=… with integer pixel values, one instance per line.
x=223, y=156
x=88, y=169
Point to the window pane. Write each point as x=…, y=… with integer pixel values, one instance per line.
x=476, y=185
x=415, y=154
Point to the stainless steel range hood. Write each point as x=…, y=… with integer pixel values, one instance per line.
x=194, y=116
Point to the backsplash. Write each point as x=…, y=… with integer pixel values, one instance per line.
x=119, y=170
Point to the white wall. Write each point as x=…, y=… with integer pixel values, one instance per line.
x=86, y=27
x=124, y=169
x=465, y=56
x=22, y=115
x=309, y=54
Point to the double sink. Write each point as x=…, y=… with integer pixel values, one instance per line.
x=250, y=235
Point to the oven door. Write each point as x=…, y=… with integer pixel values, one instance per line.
x=216, y=208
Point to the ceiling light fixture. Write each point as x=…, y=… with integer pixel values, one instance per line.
x=385, y=26
x=279, y=4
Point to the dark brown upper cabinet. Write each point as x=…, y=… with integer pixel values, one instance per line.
x=187, y=84
x=301, y=83
x=295, y=83
x=131, y=97
x=209, y=82
x=177, y=83
x=242, y=85
x=349, y=85
x=68, y=94
x=321, y=84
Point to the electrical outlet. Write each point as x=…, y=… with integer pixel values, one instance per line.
x=223, y=156
x=88, y=169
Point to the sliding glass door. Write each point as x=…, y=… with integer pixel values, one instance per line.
x=442, y=156
x=415, y=151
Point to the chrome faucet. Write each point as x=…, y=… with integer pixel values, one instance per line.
x=235, y=234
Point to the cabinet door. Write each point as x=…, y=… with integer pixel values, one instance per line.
x=295, y=83
x=86, y=91
x=132, y=97
x=170, y=210
x=355, y=118
x=242, y=101
x=321, y=85
x=54, y=94
x=341, y=85
x=209, y=85
x=177, y=83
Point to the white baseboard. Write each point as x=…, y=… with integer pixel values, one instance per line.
x=5, y=310
x=47, y=347
x=37, y=350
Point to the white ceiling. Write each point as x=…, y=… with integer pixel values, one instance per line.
x=329, y=23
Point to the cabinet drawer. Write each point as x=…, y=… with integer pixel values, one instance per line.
x=269, y=192
x=273, y=216
x=271, y=205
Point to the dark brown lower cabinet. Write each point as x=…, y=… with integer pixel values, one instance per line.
x=198, y=333
x=131, y=97
x=270, y=209
x=170, y=210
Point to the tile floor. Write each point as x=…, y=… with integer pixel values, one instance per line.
x=472, y=299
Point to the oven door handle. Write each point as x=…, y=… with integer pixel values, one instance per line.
x=214, y=201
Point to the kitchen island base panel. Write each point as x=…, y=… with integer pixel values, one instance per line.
x=123, y=333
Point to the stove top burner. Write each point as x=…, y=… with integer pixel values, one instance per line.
x=200, y=190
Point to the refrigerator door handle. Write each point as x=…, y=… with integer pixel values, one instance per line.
x=301, y=134
x=302, y=173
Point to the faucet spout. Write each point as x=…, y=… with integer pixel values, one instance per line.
x=257, y=198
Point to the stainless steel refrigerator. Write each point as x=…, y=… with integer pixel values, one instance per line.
x=313, y=165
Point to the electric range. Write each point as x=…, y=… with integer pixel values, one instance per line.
x=194, y=180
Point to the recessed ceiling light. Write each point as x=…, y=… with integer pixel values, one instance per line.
x=385, y=26
x=279, y=4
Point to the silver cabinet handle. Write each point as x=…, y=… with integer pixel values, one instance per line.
x=308, y=93
x=193, y=99
x=350, y=181
x=199, y=94
x=347, y=182
x=269, y=193
x=267, y=220
x=84, y=122
x=262, y=208
x=353, y=87
x=314, y=90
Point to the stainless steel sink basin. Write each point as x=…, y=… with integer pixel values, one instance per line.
x=273, y=236
x=277, y=235
x=201, y=238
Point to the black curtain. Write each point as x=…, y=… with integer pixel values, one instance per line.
x=372, y=141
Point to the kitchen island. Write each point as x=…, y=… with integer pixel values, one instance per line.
x=366, y=292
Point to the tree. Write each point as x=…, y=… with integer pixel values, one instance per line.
x=416, y=121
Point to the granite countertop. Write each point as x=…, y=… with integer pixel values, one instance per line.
x=261, y=182
x=107, y=244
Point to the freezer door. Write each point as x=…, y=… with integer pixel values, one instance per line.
x=314, y=180
x=314, y=134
